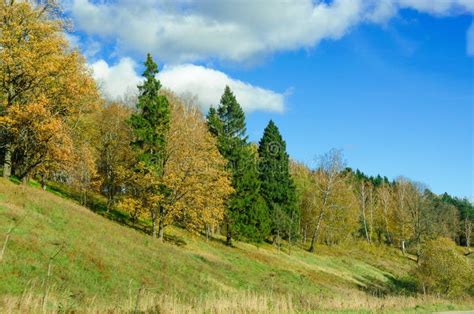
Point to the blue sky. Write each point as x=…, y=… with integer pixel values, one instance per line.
x=390, y=82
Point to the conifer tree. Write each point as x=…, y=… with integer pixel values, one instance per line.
x=150, y=125
x=277, y=187
x=246, y=214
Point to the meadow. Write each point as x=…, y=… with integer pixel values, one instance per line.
x=62, y=257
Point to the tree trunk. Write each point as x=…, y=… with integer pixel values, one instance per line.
x=365, y=224
x=153, y=223
x=207, y=232
x=43, y=183
x=418, y=248
x=278, y=242
x=161, y=224
x=24, y=180
x=7, y=164
x=468, y=232
x=314, y=238
x=110, y=203
x=161, y=230
x=313, y=241
x=228, y=241
x=289, y=243
x=305, y=234
x=403, y=246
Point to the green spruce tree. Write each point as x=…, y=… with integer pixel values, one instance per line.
x=246, y=216
x=150, y=124
x=277, y=187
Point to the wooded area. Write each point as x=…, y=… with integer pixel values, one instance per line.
x=164, y=162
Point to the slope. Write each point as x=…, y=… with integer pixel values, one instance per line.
x=61, y=256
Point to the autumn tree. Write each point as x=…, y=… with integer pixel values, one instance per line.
x=465, y=210
x=330, y=192
x=40, y=78
x=115, y=155
x=364, y=191
x=305, y=188
x=195, y=172
x=150, y=125
x=385, y=204
x=401, y=216
x=442, y=270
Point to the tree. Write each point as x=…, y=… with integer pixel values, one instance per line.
x=115, y=155
x=194, y=172
x=401, y=215
x=442, y=270
x=385, y=196
x=246, y=214
x=465, y=210
x=39, y=74
x=150, y=125
x=194, y=176
x=330, y=199
x=364, y=190
x=305, y=189
x=277, y=187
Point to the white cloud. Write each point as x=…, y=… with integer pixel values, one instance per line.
x=117, y=80
x=438, y=7
x=187, y=79
x=470, y=40
x=208, y=85
x=191, y=30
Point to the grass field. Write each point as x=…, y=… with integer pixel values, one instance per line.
x=64, y=257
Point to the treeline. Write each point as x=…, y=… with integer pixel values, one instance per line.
x=163, y=162
x=338, y=203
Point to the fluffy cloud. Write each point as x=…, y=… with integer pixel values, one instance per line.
x=117, y=80
x=187, y=79
x=192, y=30
x=438, y=7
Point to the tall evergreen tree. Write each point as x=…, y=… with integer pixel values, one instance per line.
x=150, y=125
x=246, y=215
x=277, y=187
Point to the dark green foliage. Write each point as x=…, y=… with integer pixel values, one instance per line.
x=246, y=216
x=247, y=208
x=465, y=210
x=277, y=187
x=151, y=121
x=361, y=176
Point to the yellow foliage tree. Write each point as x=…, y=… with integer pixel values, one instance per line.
x=442, y=270
x=38, y=68
x=195, y=180
x=113, y=147
x=39, y=136
x=194, y=173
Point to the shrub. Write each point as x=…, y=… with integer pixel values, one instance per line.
x=442, y=270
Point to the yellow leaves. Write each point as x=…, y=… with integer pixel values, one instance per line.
x=131, y=205
x=442, y=270
x=45, y=88
x=194, y=171
x=40, y=136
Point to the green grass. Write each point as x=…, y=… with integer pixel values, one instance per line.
x=104, y=263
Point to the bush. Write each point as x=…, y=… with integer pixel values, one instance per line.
x=442, y=270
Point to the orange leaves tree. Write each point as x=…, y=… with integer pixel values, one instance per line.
x=38, y=135
x=194, y=172
x=39, y=76
x=115, y=155
x=194, y=176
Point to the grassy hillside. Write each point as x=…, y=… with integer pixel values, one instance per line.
x=101, y=265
